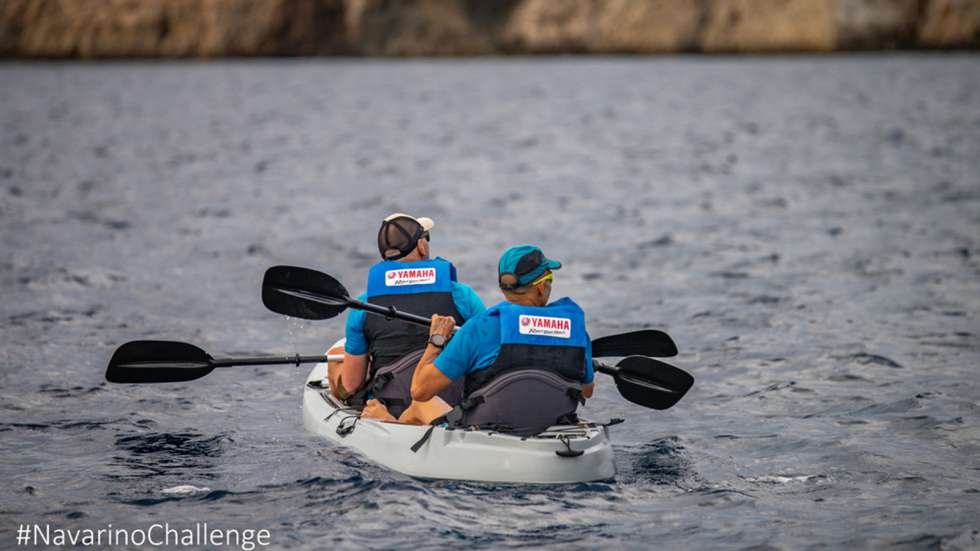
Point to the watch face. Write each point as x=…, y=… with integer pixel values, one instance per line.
x=438, y=340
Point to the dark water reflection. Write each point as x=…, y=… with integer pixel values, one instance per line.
x=170, y=454
x=805, y=228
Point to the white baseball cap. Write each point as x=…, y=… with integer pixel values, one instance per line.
x=424, y=221
x=399, y=234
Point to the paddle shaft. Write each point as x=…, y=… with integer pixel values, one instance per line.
x=391, y=312
x=664, y=346
x=309, y=294
x=229, y=362
x=276, y=360
x=388, y=312
x=604, y=368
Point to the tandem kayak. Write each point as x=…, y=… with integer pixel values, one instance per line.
x=561, y=454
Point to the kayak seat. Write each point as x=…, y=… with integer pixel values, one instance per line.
x=392, y=384
x=523, y=402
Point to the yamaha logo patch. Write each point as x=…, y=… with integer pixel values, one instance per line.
x=546, y=327
x=413, y=276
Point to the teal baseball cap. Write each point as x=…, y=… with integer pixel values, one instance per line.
x=522, y=264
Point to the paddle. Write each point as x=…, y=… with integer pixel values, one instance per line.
x=641, y=380
x=648, y=382
x=647, y=342
x=174, y=362
x=309, y=294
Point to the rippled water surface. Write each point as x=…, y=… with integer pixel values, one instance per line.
x=807, y=229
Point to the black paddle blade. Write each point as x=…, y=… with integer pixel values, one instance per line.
x=303, y=293
x=648, y=342
x=157, y=362
x=651, y=383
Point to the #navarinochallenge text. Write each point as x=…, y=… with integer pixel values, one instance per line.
x=199, y=535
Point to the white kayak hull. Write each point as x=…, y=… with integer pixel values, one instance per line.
x=463, y=454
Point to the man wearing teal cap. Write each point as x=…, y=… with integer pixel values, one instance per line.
x=527, y=363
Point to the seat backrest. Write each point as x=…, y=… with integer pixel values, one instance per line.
x=392, y=384
x=522, y=402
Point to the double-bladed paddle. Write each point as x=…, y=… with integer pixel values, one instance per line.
x=641, y=380
x=309, y=294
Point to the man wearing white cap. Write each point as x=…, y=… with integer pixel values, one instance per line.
x=384, y=352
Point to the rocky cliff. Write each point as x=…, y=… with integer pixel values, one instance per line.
x=206, y=28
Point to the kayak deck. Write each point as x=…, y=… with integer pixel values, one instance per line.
x=462, y=454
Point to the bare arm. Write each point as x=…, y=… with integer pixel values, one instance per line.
x=428, y=380
x=588, y=389
x=353, y=372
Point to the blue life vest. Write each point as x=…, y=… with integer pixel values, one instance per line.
x=423, y=288
x=411, y=278
x=561, y=323
x=550, y=338
x=536, y=380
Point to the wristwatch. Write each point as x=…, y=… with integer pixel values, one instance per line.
x=437, y=340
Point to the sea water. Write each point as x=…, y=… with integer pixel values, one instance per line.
x=807, y=229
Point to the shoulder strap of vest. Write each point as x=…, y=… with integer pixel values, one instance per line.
x=452, y=267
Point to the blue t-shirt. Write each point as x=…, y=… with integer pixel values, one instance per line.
x=476, y=345
x=467, y=303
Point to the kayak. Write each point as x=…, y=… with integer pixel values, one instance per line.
x=560, y=454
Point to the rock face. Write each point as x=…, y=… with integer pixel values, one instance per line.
x=869, y=24
x=423, y=27
x=169, y=28
x=602, y=26
x=768, y=26
x=203, y=28
x=950, y=24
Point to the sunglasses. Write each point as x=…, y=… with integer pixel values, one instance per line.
x=547, y=276
x=527, y=264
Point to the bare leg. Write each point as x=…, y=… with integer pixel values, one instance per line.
x=333, y=371
x=422, y=413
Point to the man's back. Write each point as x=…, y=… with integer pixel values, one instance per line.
x=526, y=363
x=408, y=280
